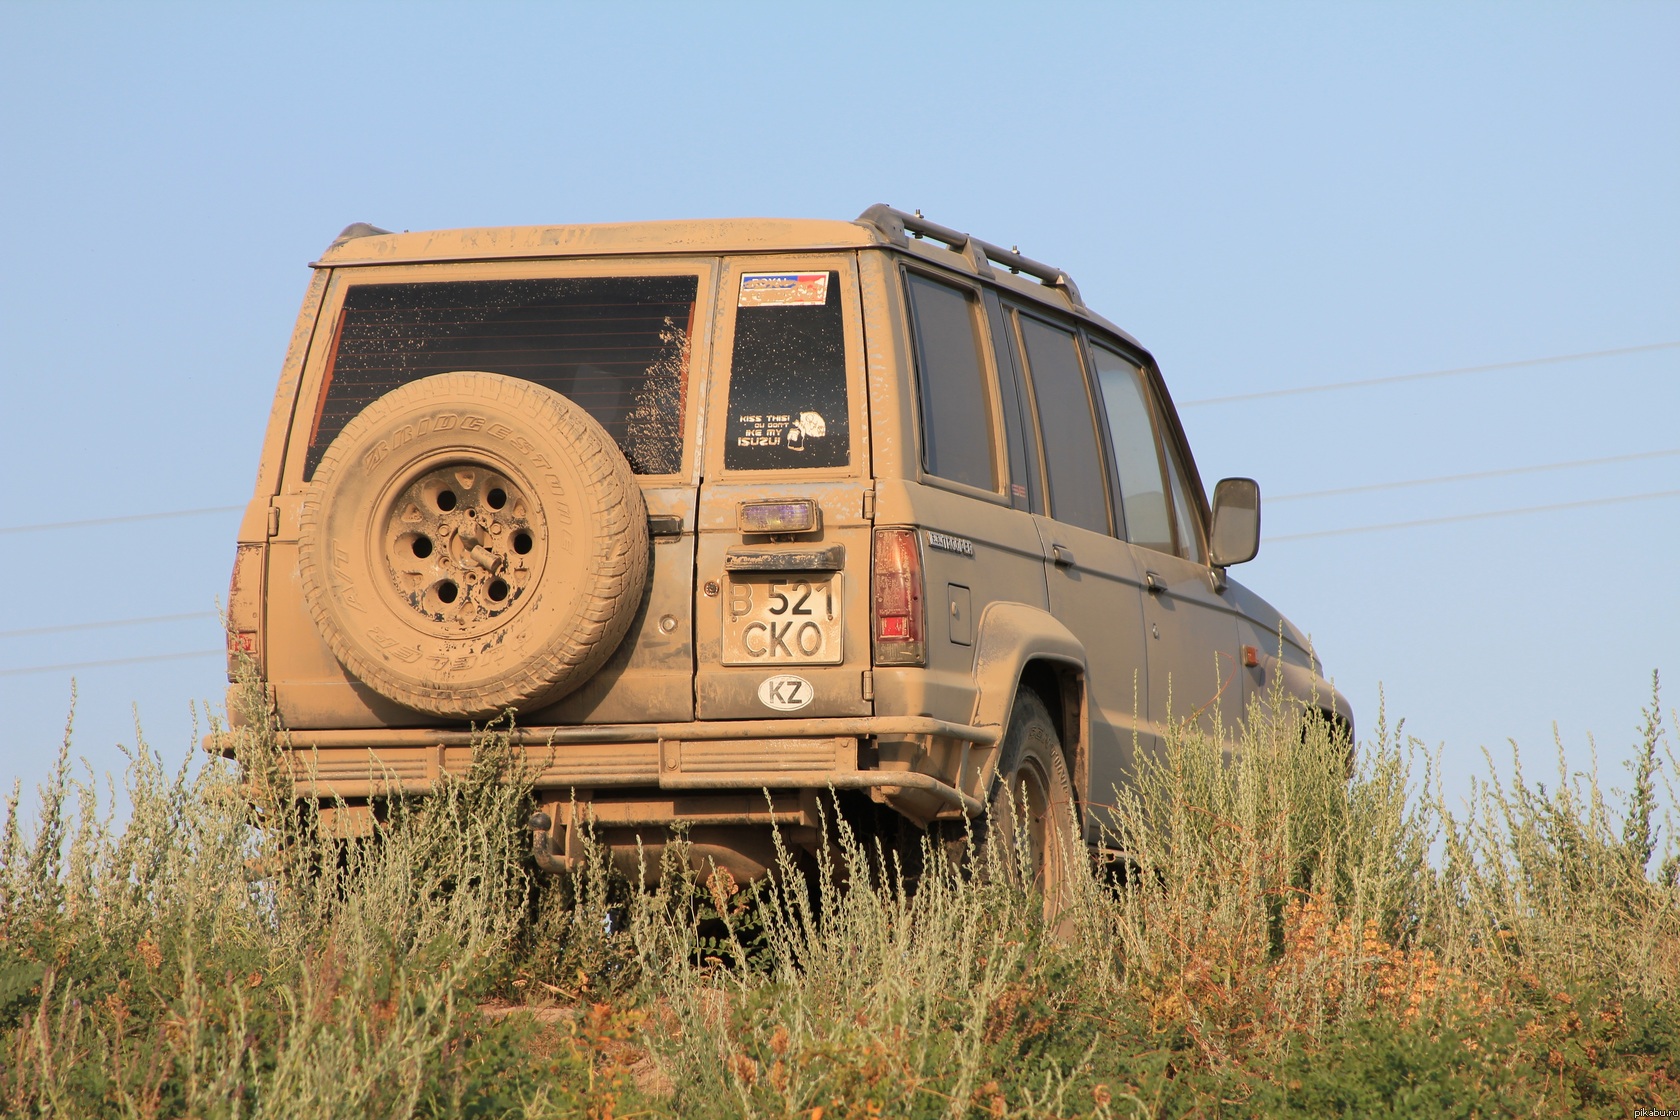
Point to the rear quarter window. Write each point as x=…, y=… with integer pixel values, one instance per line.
x=616, y=346
x=951, y=377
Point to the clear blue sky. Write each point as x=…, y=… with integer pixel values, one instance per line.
x=1268, y=196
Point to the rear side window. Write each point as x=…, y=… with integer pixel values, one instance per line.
x=618, y=347
x=1136, y=457
x=1019, y=435
x=1071, y=455
x=951, y=374
x=787, y=379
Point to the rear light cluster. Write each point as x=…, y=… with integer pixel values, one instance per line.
x=899, y=615
x=244, y=608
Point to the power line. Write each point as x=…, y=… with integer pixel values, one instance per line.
x=1281, y=539
x=118, y=520
x=113, y=661
x=1475, y=516
x=1399, y=377
x=107, y=624
x=1500, y=473
x=1267, y=393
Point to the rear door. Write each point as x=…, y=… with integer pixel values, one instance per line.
x=1094, y=581
x=781, y=591
x=619, y=337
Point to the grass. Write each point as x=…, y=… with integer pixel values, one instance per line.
x=1279, y=940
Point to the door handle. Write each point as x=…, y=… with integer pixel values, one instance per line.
x=1062, y=555
x=1153, y=583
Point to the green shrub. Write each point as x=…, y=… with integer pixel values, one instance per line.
x=1281, y=939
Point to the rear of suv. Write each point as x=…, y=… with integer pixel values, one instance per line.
x=730, y=515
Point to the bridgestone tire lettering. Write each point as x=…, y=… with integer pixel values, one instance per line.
x=509, y=591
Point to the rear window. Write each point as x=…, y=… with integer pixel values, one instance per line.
x=787, y=377
x=618, y=347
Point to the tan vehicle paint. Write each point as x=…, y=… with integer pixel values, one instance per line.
x=752, y=677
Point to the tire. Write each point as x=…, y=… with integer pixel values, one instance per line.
x=472, y=543
x=1032, y=808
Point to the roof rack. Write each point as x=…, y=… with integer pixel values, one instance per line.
x=898, y=227
x=355, y=230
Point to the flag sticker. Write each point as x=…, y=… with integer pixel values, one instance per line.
x=783, y=289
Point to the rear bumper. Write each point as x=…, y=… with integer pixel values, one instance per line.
x=780, y=754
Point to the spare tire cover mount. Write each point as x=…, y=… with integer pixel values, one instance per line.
x=462, y=543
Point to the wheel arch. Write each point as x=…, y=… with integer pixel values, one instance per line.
x=1017, y=646
x=1311, y=689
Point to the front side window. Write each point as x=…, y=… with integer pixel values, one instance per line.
x=1072, y=458
x=616, y=346
x=951, y=376
x=787, y=379
x=1131, y=430
x=1184, y=510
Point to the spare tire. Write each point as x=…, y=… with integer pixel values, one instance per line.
x=473, y=542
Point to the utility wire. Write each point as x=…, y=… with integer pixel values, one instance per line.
x=1270, y=500
x=1500, y=473
x=1590, y=502
x=1399, y=377
x=129, y=518
x=118, y=520
x=1421, y=522
x=107, y=624
x=113, y=661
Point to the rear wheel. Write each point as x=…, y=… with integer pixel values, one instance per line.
x=1031, y=812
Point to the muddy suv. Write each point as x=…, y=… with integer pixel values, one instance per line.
x=731, y=514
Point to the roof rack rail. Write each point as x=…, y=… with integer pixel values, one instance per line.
x=898, y=227
x=354, y=230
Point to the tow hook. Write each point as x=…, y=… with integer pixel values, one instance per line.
x=542, y=844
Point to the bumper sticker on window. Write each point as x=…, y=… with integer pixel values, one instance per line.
x=787, y=289
x=778, y=429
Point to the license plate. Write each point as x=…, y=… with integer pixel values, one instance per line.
x=778, y=620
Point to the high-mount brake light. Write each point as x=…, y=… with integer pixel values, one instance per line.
x=898, y=595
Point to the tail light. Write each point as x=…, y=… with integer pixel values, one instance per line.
x=244, y=607
x=898, y=598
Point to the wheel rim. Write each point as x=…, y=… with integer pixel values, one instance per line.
x=1031, y=791
x=462, y=545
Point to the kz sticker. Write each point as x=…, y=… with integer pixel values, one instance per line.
x=785, y=692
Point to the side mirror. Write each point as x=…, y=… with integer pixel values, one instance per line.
x=1236, y=521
